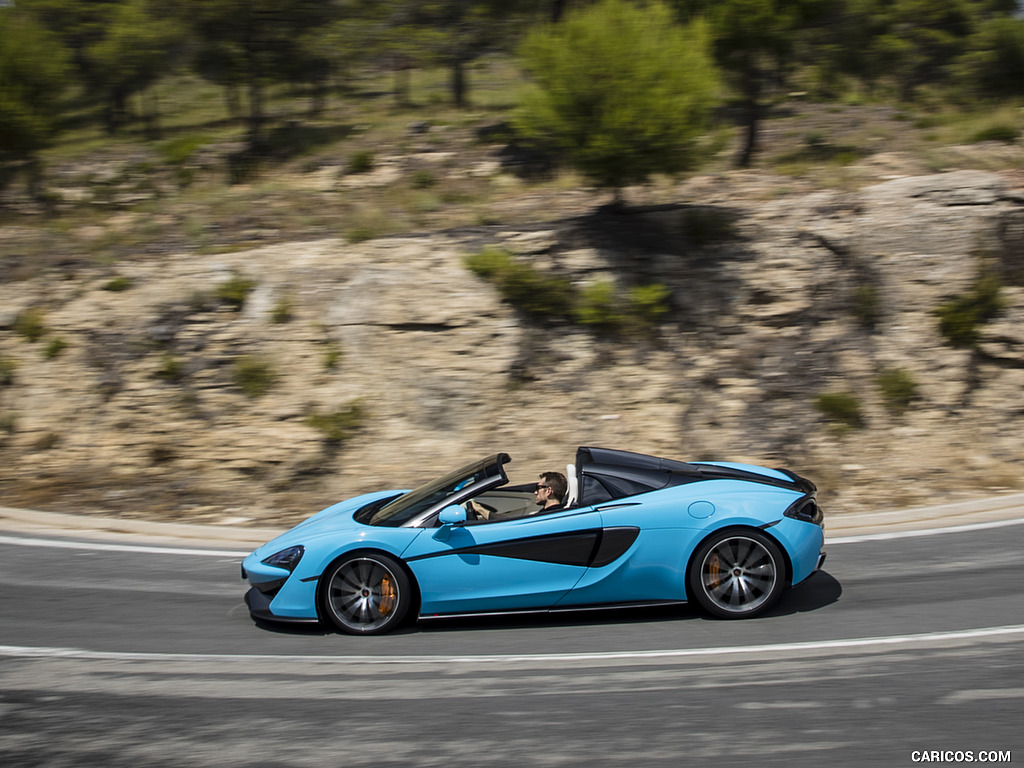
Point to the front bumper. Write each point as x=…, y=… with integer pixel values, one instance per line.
x=259, y=608
x=278, y=595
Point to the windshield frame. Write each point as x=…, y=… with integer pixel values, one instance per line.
x=413, y=509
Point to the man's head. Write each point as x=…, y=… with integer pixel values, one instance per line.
x=551, y=489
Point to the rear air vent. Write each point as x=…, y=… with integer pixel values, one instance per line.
x=807, y=510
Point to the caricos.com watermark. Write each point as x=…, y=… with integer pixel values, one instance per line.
x=961, y=756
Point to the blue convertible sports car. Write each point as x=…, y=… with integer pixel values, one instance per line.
x=632, y=530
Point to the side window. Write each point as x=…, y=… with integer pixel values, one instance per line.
x=621, y=487
x=601, y=488
x=594, y=491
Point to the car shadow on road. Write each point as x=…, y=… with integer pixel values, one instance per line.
x=609, y=616
x=597, y=617
x=814, y=594
x=817, y=592
x=304, y=629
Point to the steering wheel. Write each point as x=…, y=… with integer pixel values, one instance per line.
x=471, y=508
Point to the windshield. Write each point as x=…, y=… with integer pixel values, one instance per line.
x=469, y=479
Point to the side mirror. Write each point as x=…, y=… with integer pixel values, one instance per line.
x=452, y=515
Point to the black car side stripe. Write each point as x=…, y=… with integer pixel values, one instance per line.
x=591, y=547
x=565, y=548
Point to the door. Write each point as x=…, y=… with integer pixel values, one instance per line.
x=522, y=564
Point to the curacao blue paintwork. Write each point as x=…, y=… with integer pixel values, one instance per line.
x=633, y=548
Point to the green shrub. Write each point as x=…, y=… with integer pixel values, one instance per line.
x=236, y=290
x=254, y=375
x=118, y=284
x=534, y=292
x=180, y=150
x=332, y=357
x=899, y=389
x=170, y=368
x=29, y=323
x=601, y=306
x=649, y=303
x=815, y=139
x=598, y=306
x=283, y=311
x=841, y=408
x=360, y=162
x=489, y=262
x=867, y=306
x=338, y=426
x=7, y=369
x=960, y=317
x=54, y=347
x=521, y=285
x=1005, y=133
x=423, y=179
x=367, y=223
x=361, y=233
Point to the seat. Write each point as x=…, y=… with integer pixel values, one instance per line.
x=572, y=496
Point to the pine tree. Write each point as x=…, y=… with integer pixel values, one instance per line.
x=621, y=91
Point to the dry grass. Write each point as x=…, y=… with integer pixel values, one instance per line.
x=431, y=169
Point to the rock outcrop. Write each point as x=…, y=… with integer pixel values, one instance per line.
x=148, y=390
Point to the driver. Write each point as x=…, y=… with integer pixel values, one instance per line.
x=550, y=491
x=547, y=495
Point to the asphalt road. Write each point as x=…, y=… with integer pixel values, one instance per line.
x=117, y=657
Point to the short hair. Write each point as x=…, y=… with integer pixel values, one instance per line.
x=559, y=485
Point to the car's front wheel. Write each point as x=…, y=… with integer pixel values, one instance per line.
x=365, y=594
x=737, y=574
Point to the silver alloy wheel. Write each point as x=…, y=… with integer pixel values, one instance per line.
x=364, y=595
x=739, y=574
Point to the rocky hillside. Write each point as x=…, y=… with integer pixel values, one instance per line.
x=801, y=331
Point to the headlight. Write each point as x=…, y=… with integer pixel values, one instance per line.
x=286, y=558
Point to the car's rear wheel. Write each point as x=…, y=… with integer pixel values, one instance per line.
x=737, y=574
x=365, y=594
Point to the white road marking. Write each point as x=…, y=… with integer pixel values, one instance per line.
x=924, y=532
x=19, y=651
x=983, y=694
x=104, y=547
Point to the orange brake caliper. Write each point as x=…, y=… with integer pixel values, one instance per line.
x=715, y=571
x=387, y=595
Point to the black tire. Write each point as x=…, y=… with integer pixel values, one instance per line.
x=737, y=574
x=365, y=593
